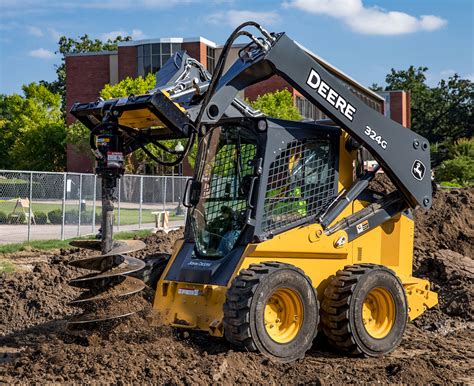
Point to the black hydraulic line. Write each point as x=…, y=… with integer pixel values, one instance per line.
x=139, y=138
x=221, y=63
x=344, y=200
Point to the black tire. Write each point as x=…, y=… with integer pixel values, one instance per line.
x=246, y=301
x=342, y=310
x=151, y=273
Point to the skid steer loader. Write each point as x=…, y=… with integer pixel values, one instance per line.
x=283, y=237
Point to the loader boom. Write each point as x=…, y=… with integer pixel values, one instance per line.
x=403, y=154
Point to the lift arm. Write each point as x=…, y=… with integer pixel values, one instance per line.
x=403, y=154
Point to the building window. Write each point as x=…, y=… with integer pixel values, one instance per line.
x=151, y=57
x=211, y=58
x=308, y=110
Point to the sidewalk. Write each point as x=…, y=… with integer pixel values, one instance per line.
x=19, y=233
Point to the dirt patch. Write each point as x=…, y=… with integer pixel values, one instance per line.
x=36, y=345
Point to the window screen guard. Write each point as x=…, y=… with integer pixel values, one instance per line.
x=301, y=181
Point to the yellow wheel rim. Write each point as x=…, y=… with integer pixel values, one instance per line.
x=378, y=313
x=283, y=315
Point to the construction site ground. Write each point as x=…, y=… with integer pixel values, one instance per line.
x=35, y=345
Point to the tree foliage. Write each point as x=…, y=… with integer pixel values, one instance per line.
x=459, y=170
x=444, y=115
x=73, y=46
x=277, y=104
x=32, y=131
x=128, y=86
x=441, y=113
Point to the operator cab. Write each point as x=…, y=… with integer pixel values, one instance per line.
x=233, y=186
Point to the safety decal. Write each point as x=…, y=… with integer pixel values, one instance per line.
x=362, y=227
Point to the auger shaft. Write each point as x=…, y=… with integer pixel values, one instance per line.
x=109, y=184
x=108, y=289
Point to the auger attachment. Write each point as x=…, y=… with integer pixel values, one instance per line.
x=108, y=292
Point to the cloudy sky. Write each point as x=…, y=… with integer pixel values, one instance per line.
x=364, y=38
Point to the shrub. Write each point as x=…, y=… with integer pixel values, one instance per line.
x=71, y=216
x=55, y=216
x=16, y=218
x=3, y=218
x=450, y=184
x=40, y=218
x=463, y=146
x=459, y=170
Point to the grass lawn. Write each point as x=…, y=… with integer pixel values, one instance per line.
x=6, y=266
x=127, y=216
x=56, y=244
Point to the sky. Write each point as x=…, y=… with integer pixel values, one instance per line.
x=363, y=38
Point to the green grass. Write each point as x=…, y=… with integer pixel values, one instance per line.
x=127, y=216
x=56, y=244
x=6, y=266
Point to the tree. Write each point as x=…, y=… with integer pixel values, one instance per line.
x=33, y=134
x=129, y=86
x=441, y=113
x=82, y=44
x=277, y=104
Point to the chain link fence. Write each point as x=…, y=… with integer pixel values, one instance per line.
x=46, y=205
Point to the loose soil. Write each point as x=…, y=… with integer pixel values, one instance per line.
x=37, y=346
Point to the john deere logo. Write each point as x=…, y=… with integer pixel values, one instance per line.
x=418, y=170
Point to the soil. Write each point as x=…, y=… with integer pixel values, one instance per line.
x=37, y=346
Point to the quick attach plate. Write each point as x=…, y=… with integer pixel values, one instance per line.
x=165, y=118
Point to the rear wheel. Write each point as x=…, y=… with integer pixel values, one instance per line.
x=364, y=310
x=272, y=308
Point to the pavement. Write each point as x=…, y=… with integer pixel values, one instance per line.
x=19, y=233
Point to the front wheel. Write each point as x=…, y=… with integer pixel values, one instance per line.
x=272, y=308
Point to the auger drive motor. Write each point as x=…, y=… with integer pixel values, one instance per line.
x=284, y=237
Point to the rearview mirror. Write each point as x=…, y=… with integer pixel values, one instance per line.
x=192, y=193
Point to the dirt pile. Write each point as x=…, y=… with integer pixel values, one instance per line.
x=36, y=346
x=444, y=250
x=449, y=224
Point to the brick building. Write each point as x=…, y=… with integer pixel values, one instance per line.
x=88, y=73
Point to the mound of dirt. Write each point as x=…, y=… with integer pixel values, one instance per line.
x=449, y=224
x=37, y=346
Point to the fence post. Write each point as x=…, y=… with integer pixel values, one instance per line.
x=172, y=184
x=63, y=209
x=29, y=206
x=119, y=194
x=80, y=206
x=140, y=204
x=164, y=194
x=94, y=203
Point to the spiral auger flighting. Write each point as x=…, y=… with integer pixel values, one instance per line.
x=108, y=292
x=108, y=289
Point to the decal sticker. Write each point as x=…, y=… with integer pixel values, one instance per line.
x=362, y=227
x=325, y=90
x=189, y=292
x=114, y=156
x=418, y=170
x=372, y=134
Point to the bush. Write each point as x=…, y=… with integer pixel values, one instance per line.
x=3, y=218
x=55, y=216
x=16, y=218
x=40, y=218
x=450, y=184
x=71, y=216
x=459, y=170
x=463, y=146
